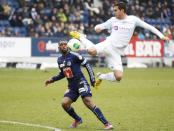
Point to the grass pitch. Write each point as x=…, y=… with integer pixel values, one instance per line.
x=142, y=101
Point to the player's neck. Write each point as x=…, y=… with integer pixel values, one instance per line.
x=123, y=16
x=64, y=53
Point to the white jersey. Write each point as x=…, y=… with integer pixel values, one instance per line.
x=122, y=30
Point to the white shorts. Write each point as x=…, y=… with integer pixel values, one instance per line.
x=113, y=55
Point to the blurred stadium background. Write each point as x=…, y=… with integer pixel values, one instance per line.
x=29, y=33
x=31, y=29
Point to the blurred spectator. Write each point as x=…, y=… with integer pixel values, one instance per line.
x=61, y=15
x=75, y=15
x=147, y=36
x=42, y=32
x=141, y=36
x=16, y=34
x=157, y=26
x=106, y=6
x=38, y=20
x=154, y=37
x=36, y=35
x=1, y=11
x=166, y=30
x=86, y=28
x=31, y=25
x=13, y=20
x=8, y=32
x=135, y=36
x=7, y=10
x=54, y=12
x=31, y=32
x=157, y=13
x=49, y=33
x=33, y=14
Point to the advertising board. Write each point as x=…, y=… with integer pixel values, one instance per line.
x=15, y=47
x=145, y=48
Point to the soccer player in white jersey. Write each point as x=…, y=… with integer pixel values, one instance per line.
x=122, y=27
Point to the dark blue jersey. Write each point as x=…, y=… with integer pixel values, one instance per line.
x=70, y=67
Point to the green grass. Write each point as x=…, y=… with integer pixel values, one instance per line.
x=142, y=101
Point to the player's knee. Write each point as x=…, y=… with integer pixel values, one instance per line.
x=92, y=51
x=65, y=105
x=118, y=75
x=118, y=78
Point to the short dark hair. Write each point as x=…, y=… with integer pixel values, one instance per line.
x=121, y=5
x=63, y=41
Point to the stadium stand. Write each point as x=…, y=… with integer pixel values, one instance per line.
x=40, y=18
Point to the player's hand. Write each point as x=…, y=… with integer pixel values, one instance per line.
x=98, y=30
x=49, y=81
x=166, y=39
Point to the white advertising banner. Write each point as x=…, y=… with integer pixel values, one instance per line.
x=15, y=47
x=145, y=48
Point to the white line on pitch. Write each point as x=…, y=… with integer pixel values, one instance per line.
x=28, y=124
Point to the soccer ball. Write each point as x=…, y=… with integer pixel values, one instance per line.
x=74, y=45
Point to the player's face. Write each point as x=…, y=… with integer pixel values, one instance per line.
x=63, y=47
x=118, y=13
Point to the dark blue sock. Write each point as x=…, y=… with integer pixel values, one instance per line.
x=72, y=113
x=100, y=115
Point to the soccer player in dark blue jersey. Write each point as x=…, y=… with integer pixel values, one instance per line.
x=70, y=67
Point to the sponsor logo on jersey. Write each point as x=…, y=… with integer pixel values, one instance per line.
x=62, y=65
x=115, y=27
x=69, y=63
x=80, y=57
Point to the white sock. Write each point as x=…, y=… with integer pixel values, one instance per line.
x=109, y=76
x=87, y=43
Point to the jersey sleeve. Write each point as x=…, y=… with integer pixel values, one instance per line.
x=90, y=72
x=147, y=26
x=88, y=67
x=59, y=76
x=105, y=25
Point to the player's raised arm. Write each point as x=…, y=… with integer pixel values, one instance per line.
x=88, y=67
x=91, y=73
x=106, y=25
x=147, y=26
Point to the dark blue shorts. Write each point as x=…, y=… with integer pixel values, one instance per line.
x=82, y=89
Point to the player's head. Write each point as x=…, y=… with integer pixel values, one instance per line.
x=119, y=9
x=63, y=46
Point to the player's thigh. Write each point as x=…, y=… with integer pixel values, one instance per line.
x=84, y=89
x=114, y=62
x=101, y=47
x=67, y=101
x=92, y=50
x=72, y=94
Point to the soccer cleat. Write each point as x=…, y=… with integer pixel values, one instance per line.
x=108, y=127
x=98, y=82
x=76, y=123
x=76, y=34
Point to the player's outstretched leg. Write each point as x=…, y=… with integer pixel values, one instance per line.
x=82, y=37
x=76, y=34
x=98, y=81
